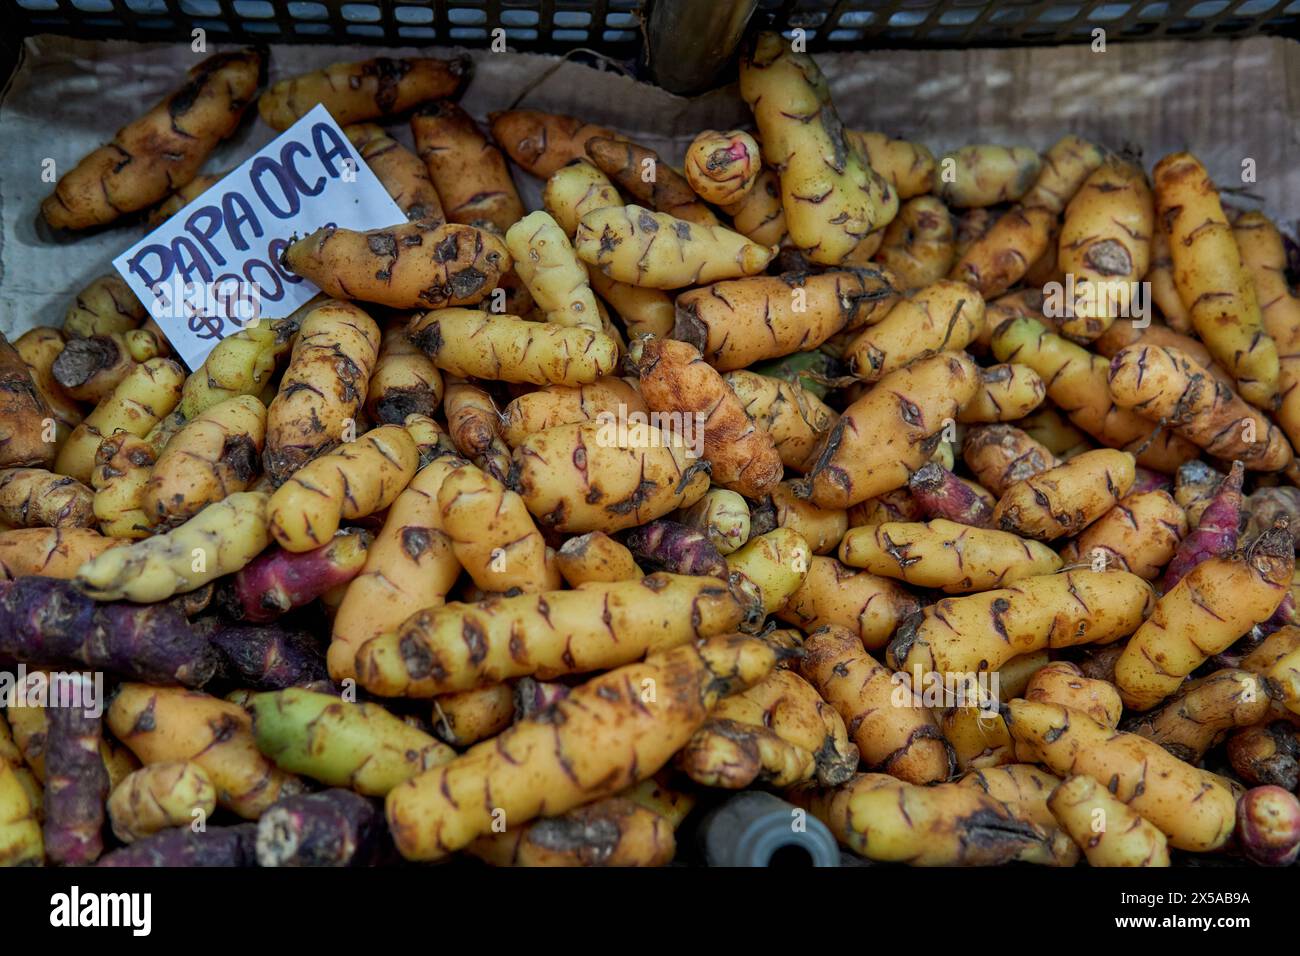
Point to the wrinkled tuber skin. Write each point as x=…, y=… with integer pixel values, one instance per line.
x=161, y=150
x=889, y=820
x=831, y=196
x=615, y=832
x=1268, y=826
x=680, y=549
x=277, y=581
x=532, y=696
x=1216, y=534
x=415, y=265
x=333, y=828
x=1266, y=505
x=23, y=413
x=364, y=90
x=267, y=656
x=359, y=746
x=1203, y=712
x=1267, y=754
x=466, y=717
x=48, y=621
x=76, y=785
x=35, y=498
x=941, y=494
x=667, y=191
x=232, y=846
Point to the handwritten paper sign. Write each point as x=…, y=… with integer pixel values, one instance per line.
x=214, y=267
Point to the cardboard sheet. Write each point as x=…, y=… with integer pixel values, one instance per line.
x=1229, y=101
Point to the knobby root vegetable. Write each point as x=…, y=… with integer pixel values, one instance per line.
x=355, y=480
x=759, y=215
x=907, y=166
x=554, y=405
x=832, y=198
x=946, y=316
x=1025, y=790
x=470, y=174
x=893, y=821
x=767, y=571
x=1077, y=382
x=356, y=745
x=142, y=399
x=739, y=322
x=1126, y=332
x=635, y=245
x=1045, y=611
x=159, y=796
x=88, y=370
x=365, y=90
x=1193, y=808
x=27, y=425
x=722, y=167
x=49, y=552
x=167, y=724
x=941, y=494
x=333, y=828
x=893, y=733
x=493, y=535
x=159, y=151
x=47, y=621
x=1000, y=456
x=1214, y=604
x=540, y=143
x=613, y=731
x=597, y=626
x=1267, y=505
x=1268, y=826
x=1109, y=832
x=278, y=581
x=1216, y=531
x=1268, y=753
x=36, y=498
x=474, y=344
x=229, y=846
x=1203, y=713
x=945, y=555
x=1007, y=393
x=1277, y=659
x=870, y=606
x=606, y=475
x=889, y=432
x=468, y=716
x=212, y=457
x=546, y=262
x=415, y=265
x=595, y=556
x=21, y=842
x=1140, y=535
x=39, y=348
x=675, y=379
x=76, y=783
x=1166, y=385
x=649, y=180
x=105, y=306
x=1066, y=499
x=677, y=548
x=1263, y=255
x=1164, y=291
x=404, y=381
x=723, y=516
x=1063, y=683
x=1105, y=245
x=1211, y=280
x=410, y=566
x=399, y=171
x=123, y=466
x=612, y=832
x=985, y=175
x=822, y=528
x=219, y=540
x=242, y=364
x=998, y=259
x=793, y=417
x=268, y=657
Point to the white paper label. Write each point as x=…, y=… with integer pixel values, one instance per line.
x=214, y=267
